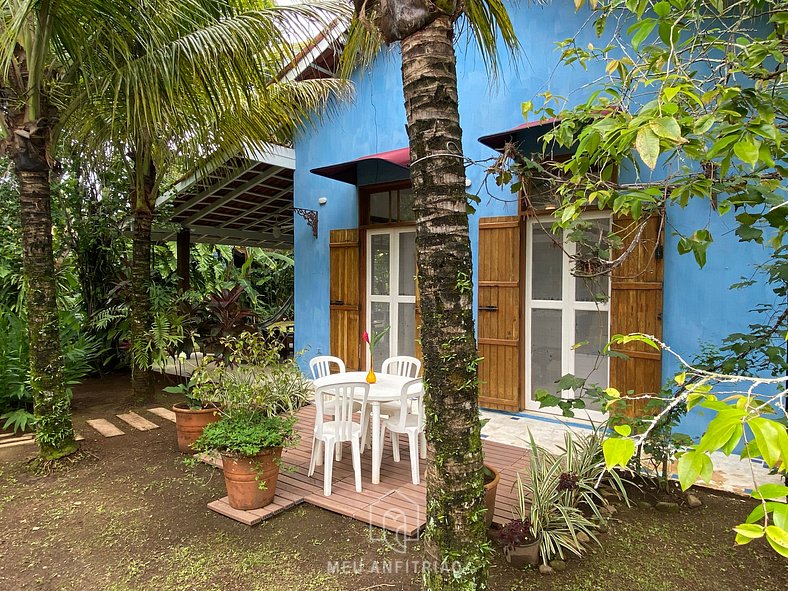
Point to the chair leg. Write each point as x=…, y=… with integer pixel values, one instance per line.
x=395, y=445
x=315, y=453
x=355, y=445
x=413, y=444
x=382, y=440
x=328, y=470
x=339, y=451
x=423, y=445
x=365, y=425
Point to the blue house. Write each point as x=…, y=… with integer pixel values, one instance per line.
x=357, y=271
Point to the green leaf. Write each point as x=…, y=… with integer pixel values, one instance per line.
x=617, y=452
x=647, y=145
x=747, y=149
x=623, y=430
x=780, y=515
x=778, y=539
x=770, y=491
x=752, y=531
x=668, y=128
x=768, y=437
x=694, y=464
x=680, y=378
x=643, y=29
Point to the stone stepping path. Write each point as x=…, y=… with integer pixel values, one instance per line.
x=138, y=422
x=8, y=440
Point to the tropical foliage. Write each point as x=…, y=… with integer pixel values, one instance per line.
x=693, y=106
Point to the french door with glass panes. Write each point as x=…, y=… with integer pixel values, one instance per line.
x=567, y=318
x=391, y=291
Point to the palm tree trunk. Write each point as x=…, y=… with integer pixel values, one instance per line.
x=142, y=201
x=141, y=315
x=456, y=534
x=51, y=398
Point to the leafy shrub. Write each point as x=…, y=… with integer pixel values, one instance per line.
x=247, y=434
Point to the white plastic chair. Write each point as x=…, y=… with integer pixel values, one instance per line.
x=328, y=434
x=320, y=366
x=409, y=420
x=402, y=365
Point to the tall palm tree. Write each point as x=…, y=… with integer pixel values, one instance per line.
x=192, y=80
x=425, y=30
x=36, y=73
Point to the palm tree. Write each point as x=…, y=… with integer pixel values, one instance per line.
x=35, y=73
x=455, y=534
x=192, y=80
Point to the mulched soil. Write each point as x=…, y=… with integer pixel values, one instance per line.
x=131, y=515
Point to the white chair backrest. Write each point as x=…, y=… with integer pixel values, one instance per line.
x=343, y=395
x=402, y=365
x=413, y=390
x=320, y=366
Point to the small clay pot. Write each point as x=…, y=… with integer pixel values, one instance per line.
x=189, y=424
x=243, y=477
x=490, y=489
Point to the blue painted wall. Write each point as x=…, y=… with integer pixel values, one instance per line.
x=698, y=306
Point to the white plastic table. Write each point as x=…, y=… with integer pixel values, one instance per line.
x=387, y=388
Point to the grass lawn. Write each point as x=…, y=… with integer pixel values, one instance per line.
x=129, y=515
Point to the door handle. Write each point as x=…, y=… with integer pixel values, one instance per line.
x=488, y=308
x=338, y=303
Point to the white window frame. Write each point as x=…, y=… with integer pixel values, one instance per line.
x=568, y=306
x=393, y=299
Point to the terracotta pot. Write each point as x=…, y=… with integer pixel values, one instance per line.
x=523, y=555
x=251, y=481
x=490, y=488
x=189, y=424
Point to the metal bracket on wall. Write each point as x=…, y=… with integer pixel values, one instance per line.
x=310, y=215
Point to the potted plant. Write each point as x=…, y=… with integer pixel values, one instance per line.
x=491, y=479
x=192, y=416
x=520, y=547
x=257, y=396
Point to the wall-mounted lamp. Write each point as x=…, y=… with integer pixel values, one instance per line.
x=468, y=182
x=322, y=201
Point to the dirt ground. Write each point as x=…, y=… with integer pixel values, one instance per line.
x=131, y=516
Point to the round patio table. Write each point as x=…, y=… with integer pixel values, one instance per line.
x=387, y=388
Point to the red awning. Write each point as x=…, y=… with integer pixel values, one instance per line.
x=347, y=172
x=534, y=129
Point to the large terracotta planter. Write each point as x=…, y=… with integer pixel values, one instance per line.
x=251, y=482
x=490, y=489
x=189, y=424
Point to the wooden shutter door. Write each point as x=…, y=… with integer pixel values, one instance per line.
x=636, y=306
x=499, y=313
x=345, y=297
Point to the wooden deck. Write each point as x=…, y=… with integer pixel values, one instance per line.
x=396, y=504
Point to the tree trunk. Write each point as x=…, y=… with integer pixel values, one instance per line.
x=456, y=534
x=141, y=315
x=142, y=201
x=51, y=398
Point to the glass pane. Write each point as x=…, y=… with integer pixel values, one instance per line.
x=591, y=329
x=406, y=331
x=547, y=263
x=379, y=208
x=381, y=253
x=381, y=318
x=407, y=263
x=545, y=350
x=593, y=289
x=406, y=200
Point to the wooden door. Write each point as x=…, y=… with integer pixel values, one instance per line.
x=345, y=304
x=499, y=313
x=636, y=306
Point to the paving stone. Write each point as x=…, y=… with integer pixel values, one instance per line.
x=105, y=428
x=164, y=413
x=138, y=422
